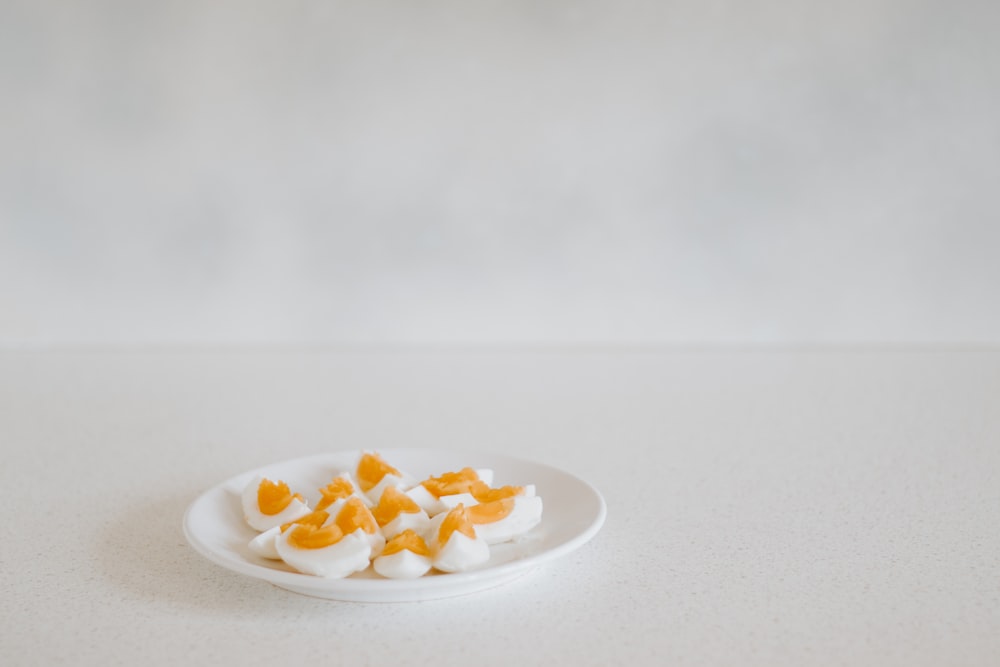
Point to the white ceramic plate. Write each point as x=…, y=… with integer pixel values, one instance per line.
x=573, y=513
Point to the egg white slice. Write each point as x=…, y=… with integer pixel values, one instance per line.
x=525, y=515
x=456, y=499
x=260, y=521
x=402, y=565
x=356, y=493
x=263, y=544
x=433, y=526
x=460, y=553
x=349, y=555
x=392, y=476
x=469, y=500
x=418, y=522
x=427, y=501
x=375, y=539
x=374, y=493
x=434, y=505
x=334, y=509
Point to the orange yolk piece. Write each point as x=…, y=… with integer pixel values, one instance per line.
x=451, y=483
x=393, y=503
x=371, y=469
x=273, y=497
x=308, y=536
x=317, y=518
x=456, y=520
x=492, y=511
x=335, y=490
x=409, y=541
x=354, y=515
x=484, y=494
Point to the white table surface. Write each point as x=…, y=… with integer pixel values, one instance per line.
x=765, y=507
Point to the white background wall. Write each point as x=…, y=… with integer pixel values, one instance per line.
x=546, y=170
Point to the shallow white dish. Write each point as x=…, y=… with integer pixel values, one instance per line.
x=574, y=512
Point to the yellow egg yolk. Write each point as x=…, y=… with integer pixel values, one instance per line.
x=273, y=497
x=409, y=541
x=354, y=515
x=371, y=469
x=492, y=511
x=451, y=483
x=317, y=518
x=484, y=494
x=308, y=536
x=393, y=503
x=335, y=490
x=456, y=520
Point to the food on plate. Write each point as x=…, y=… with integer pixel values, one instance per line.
x=353, y=516
x=406, y=556
x=325, y=550
x=397, y=512
x=374, y=474
x=341, y=488
x=267, y=504
x=431, y=494
x=454, y=544
x=501, y=520
x=376, y=514
x=500, y=514
x=264, y=544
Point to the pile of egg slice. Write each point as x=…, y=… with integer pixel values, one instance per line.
x=377, y=515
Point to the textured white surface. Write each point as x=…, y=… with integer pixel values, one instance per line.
x=554, y=170
x=824, y=507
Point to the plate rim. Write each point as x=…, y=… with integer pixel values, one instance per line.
x=385, y=588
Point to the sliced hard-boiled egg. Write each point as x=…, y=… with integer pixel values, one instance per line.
x=263, y=544
x=504, y=519
x=397, y=512
x=451, y=482
x=485, y=494
x=454, y=545
x=267, y=504
x=500, y=514
x=374, y=474
x=353, y=516
x=406, y=556
x=425, y=500
x=324, y=551
x=342, y=487
x=429, y=492
x=445, y=522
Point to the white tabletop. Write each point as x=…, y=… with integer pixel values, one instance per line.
x=765, y=507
